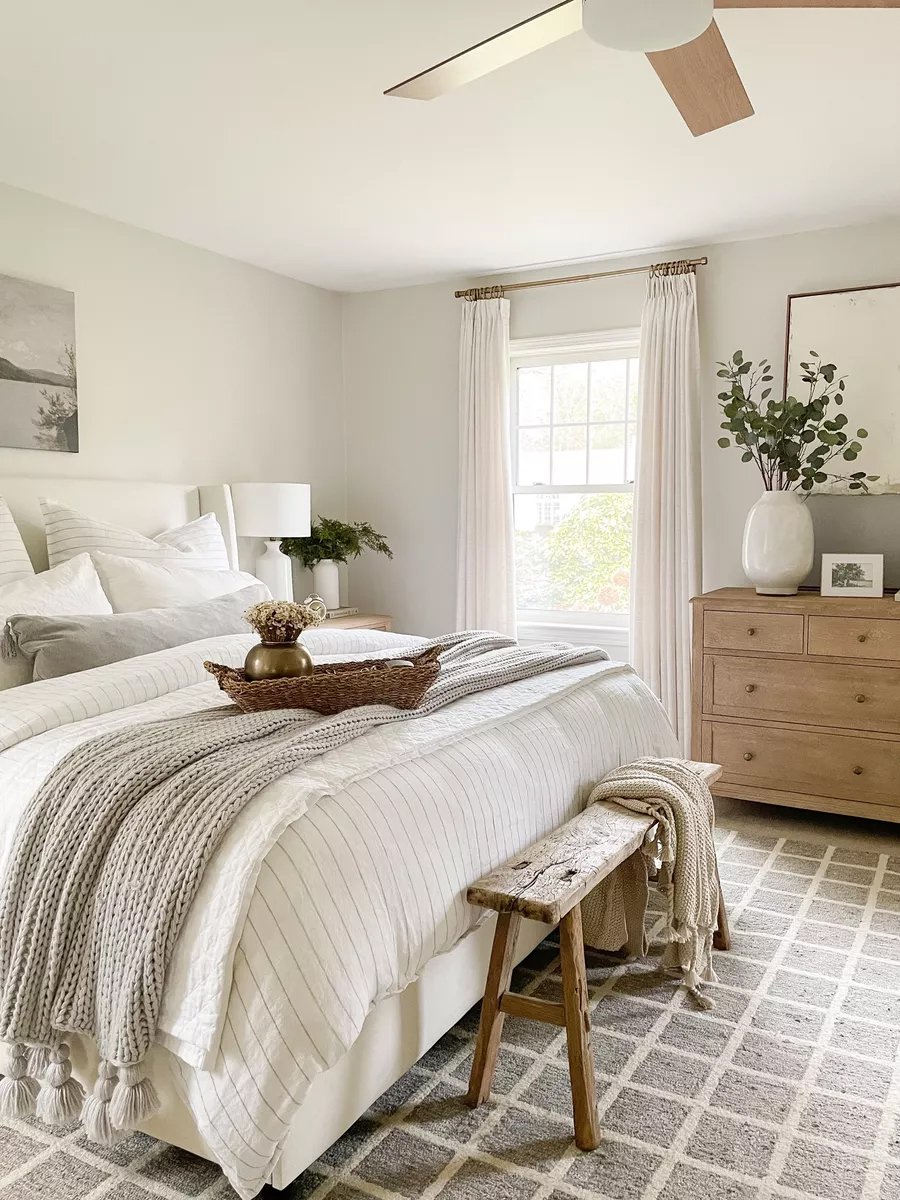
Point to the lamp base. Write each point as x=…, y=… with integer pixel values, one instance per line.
x=274, y=570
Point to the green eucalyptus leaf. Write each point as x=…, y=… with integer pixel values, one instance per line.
x=724, y=442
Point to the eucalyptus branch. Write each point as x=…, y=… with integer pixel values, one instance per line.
x=791, y=442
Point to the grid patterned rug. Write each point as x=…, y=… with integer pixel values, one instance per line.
x=788, y=1089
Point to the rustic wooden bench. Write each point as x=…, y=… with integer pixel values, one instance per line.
x=547, y=883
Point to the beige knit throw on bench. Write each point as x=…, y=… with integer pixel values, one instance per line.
x=682, y=806
x=109, y=855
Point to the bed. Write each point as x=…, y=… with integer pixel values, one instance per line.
x=355, y=950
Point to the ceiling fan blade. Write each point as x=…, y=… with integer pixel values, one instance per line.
x=533, y=34
x=703, y=82
x=807, y=3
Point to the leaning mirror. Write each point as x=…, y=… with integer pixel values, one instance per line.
x=858, y=329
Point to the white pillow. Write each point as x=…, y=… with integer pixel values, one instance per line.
x=14, y=560
x=133, y=584
x=70, y=590
x=69, y=532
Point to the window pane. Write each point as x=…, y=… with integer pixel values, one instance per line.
x=607, y=454
x=573, y=552
x=534, y=395
x=632, y=451
x=570, y=381
x=608, y=391
x=534, y=456
x=569, y=454
x=634, y=371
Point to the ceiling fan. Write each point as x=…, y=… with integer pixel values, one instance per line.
x=679, y=37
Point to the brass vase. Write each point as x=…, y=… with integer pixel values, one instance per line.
x=278, y=660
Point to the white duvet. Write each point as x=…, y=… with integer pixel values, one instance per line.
x=338, y=883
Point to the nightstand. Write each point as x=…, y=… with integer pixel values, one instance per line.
x=360, y=621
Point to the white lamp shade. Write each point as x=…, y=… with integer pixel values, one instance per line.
x=271, y=510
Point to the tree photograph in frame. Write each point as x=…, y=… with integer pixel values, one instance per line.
x=852, y=575
x=38, y=382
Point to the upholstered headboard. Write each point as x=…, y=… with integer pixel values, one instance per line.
x=147, y=507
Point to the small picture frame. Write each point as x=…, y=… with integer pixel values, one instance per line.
x=852, y=575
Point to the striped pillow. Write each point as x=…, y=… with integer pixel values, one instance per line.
x=69, y=533
x=14, y=561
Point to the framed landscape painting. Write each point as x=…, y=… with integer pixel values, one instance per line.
x=38, y=381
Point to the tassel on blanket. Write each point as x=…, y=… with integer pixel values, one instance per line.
x=9, y=647
x=95, y=1114
x=134, y=1098
x=61, y=1097
x=18, y=1090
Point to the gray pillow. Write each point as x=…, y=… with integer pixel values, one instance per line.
x=64, y=645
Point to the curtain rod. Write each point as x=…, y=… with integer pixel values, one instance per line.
x=500, y=289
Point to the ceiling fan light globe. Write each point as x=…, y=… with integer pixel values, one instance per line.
x=646, y=25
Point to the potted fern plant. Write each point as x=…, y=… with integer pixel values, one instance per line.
x=331, y=542
x=792, y=442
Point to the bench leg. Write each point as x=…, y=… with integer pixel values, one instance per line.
x=578, y=1031
x=722, y=936
x=490, y=1027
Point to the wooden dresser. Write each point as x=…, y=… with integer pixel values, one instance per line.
x=798, y=697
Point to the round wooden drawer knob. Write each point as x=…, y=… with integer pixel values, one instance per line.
x=860, y=699
x=750, y=687
x=857, y=770
x=751, y=631
x=747, y=756
x=862, y=637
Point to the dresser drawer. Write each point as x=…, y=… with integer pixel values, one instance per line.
x=863, y=769
x=855, y=637
x=773, y=633
x=804, y=693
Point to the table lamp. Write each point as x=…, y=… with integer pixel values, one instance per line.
x=272, y=511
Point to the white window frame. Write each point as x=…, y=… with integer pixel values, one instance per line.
x=541, y=624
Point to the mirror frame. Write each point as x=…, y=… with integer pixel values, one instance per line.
x=864, y=287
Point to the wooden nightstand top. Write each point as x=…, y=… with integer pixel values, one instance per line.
x=360, y=621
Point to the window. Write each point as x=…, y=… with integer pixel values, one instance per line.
x=574, y=438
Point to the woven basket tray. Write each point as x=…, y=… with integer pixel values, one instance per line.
x=332, y=687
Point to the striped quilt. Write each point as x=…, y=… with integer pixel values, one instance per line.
x=365, y=853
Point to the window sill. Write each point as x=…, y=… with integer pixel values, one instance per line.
x=614, y=639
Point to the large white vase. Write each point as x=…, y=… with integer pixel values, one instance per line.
x=778, y=543
x=327, y=582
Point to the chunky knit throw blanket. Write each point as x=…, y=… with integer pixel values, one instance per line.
x=111, y=851
x=682, y=806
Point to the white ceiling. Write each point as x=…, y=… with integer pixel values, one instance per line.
x=269, y=139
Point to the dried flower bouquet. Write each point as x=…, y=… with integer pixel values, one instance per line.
x=284, y=620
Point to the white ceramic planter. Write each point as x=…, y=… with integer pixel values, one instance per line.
x=327, y=582
x=778, y=543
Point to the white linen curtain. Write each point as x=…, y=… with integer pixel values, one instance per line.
x=666, y=540
x=485, y=552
